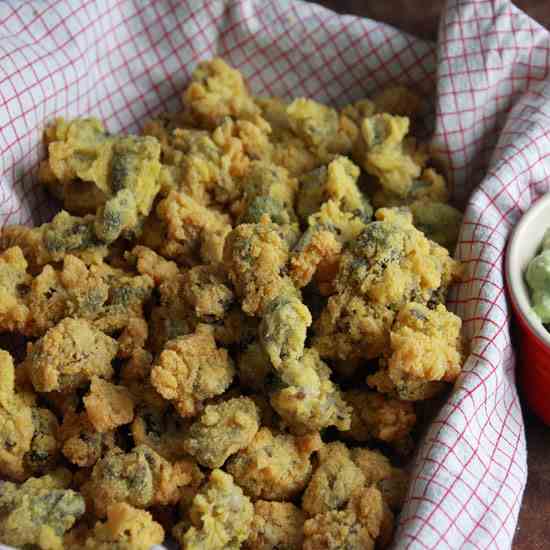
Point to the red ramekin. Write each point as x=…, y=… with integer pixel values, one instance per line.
x=534, y=352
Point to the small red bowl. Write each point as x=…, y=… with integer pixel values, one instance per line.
x=534, y=353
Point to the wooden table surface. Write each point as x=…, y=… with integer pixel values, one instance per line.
x=420, y=17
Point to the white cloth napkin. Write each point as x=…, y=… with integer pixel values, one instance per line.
x=124, y=61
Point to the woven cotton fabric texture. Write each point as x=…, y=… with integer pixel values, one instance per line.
x=487, y=80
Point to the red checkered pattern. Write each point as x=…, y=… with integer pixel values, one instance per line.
x=127, y=60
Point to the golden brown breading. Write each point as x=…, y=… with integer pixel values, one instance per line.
x=429, y=187
x=148, y=262
x=378, y=416
x=351, y=327
x=217, y=91
x=338, y=183
x=50, y=242
x=220, y=516
x=357, y=527
x=276, y=526
x=38, y=512
x=206, y=290
x=191, y=369
x=81, y=443
x=319, y=127
x=68, y=355
x=255, y=256
x=390, y=264
x=187, y=248
x=158, y=426
x=73, y=291
x=14, y=286
x=108, y=406
x=425, y=347
x=16, y=423
x=309, y=400
x=126, y=528
x=222, y=430
x=193, y=233
x=439, y=221
x=44, y=450
x=282, y=331
x=171, y=316
x=316, y=249
x=209, y=166
x=268, y=190
x=124, y=168
x=333, y=482
x=377, y=469
x=274, y=466
x=383, y=152
x=140, y=478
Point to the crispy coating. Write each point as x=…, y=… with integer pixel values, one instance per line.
x=316, y=249
x=217, y=91
x=108, y=406
x=268, y=190
x=282, y=331
x=126, y=528
x=285, y=148
x=206, y=290
x=319, y=127
x=44, y=450
x=158, y=426
x=68, y=355
x=351, y=327
x=171, y=316
x=222, y=430
x=128, y=295
x=16, y=423
x=81, y=443
x=429, y=187
x=333, y=482
x=14, y=286
x=378, y=416
x=50, y=242
x=191, y=369
x=274, y=466
x=221, y=516
x=125, y=170
x=148, y=262
x=338, y=183
x=276, y=526
x=309, y=400
x=192, y=233
x=390, y=264
x=74, y=291
x=38, y=512
x=255, y=256
x=377, y=469
x=111, y=299
x=357, y=527
x=425, y=347
x=209, y=166
x=239, y=229
x=140, y=478
x=383, y=152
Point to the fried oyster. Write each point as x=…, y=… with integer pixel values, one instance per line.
x=229, y=308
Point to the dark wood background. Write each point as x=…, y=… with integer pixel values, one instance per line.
x=420, y=17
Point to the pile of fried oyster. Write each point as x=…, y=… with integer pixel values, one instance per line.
x=228, y=328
